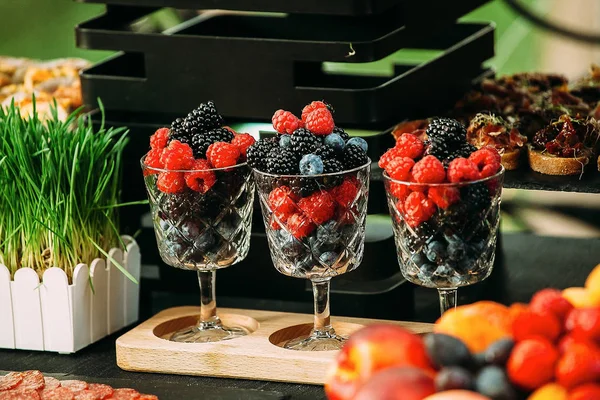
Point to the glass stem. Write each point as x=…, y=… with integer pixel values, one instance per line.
x=208, y=302
x=447, y=299
x=322, y=325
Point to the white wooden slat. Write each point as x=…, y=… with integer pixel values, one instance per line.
x=80, y=295
x=7, y=328
x=27, y=310
x=56, y=311
x=99, y=314
x=132, y=290
x=116, y=287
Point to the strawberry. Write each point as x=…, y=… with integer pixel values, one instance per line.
x=551, y=300
x=531, y=363
x=530, y=323
x=578, y=365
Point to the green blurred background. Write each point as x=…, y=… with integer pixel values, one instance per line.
x=44, y=29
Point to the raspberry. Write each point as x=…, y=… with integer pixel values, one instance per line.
x=222, y=154
x=462, y=170
x=281, y=201
x=552, y=301
x=399, y=168
x=178, y=156
x=170, y=182
x=315, y=105
x=530, y=324
x=409, y=145
x=487, y=161
x=443, y=196
x=347, y=216
x=417, y=209
x=201, y=178
x=152, y=160
x=399, y=190
x=388, y=157
x=531, y=363
x=345, y=194
x=242, y=141
x=285, y=122
x=429, y=170
x=299, y=225
x=159, y=139
x=320, y=122
x=319, y=207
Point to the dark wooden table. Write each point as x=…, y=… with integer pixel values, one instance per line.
x=528, y=263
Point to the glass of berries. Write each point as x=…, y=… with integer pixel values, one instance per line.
x=444, y=199
x=313, y=182
x=201, y=194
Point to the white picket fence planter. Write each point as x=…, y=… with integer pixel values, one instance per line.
x=55, y=316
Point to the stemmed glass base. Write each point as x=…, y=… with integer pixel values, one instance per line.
x=448, y=298
x=322, y=340
x=206, y=332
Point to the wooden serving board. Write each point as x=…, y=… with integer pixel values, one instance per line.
x=257, y=356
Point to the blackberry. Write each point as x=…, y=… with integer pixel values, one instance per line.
x=257, y=154
x=203, y=119
x=201, y=141
x=332, y=166
x=178, y=207
x=304, y=187
x=176, y=126
x=447, y=130
x=442, y=149
x=304, y=142
x=476, y=196
x=343, y=134
x=325, y=152
x=354, y=157
x=463, y=151
x=282, y=162
x=423, y=234
x=181, y=136
x=209, y=205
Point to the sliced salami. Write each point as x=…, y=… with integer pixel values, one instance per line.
x=10, y=381
x=18, y=394
x=57, y=393
x=51, y=383
x=103, y=391
x=87, y=395
x=74, y=385
x=32, y=380
x=125, y=394
x=148, y=397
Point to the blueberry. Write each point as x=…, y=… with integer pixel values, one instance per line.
x=291, y=247
x=285, y=141
x=446, y=351
x=328, y=258
x=189, y=230
x=498, y=352
x=164, y=225
x=492, y=382
x=175, y=249
x=450, y=378
x=427, y=268
x=445, y=271
x=204, y=241
x=436, y=251
x=419, y=259
x=360, y=142
x=456, y=250
x=328, y=233
x=452, y=238
x=311, y=164
x=335, y=141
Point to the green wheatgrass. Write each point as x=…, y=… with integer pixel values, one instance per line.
x=59, y=191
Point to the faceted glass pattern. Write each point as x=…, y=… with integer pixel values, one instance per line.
x=333, y=247
x=204, y=231
x=456, y=246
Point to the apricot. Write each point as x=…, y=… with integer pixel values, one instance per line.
x=405, y=383
x=550, y=391
x=592, y=284
x=579, y=297
x=371, y=350
x=478, y=325
x=457, y=395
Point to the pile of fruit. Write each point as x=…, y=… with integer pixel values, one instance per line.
x=198, y=143
x=548, y=349
x=190, y=181
x=441, y=226
x=33, y=385
x=315, y=189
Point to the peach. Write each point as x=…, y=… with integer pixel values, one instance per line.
x=550, y=391
x=370, y=350
x=579, y=297
x=457, y=395
x=592, y=284
x=405, y=383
